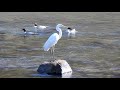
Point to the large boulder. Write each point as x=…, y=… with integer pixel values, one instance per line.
x=56, y=67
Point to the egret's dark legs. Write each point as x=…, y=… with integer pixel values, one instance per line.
x=53, y=52
x=50, y=50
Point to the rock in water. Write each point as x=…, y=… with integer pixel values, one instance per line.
x=56, y=67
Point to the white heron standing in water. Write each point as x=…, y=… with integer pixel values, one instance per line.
x=53, y=39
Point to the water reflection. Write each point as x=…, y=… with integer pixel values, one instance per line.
x=65, y=75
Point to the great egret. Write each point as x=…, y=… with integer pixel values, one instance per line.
x=53, y=39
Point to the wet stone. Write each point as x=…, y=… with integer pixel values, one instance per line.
x=56, y=67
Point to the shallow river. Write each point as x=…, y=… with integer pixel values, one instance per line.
x=93, y=53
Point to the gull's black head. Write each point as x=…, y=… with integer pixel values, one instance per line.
x=35, y=24
x=24, y=29
x=69, y=28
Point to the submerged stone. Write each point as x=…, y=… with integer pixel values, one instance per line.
x=56, y=67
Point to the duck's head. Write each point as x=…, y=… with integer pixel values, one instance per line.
x=24, y=29
x=35, y=24
x=69, y=28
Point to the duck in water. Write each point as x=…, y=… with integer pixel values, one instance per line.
x=71, y=32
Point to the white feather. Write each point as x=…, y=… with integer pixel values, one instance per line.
x=52, y=40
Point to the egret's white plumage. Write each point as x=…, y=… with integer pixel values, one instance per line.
x=53, y=39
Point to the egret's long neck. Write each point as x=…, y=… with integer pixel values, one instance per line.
x=60, y=32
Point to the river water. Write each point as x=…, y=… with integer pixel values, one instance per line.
x=93, y=53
